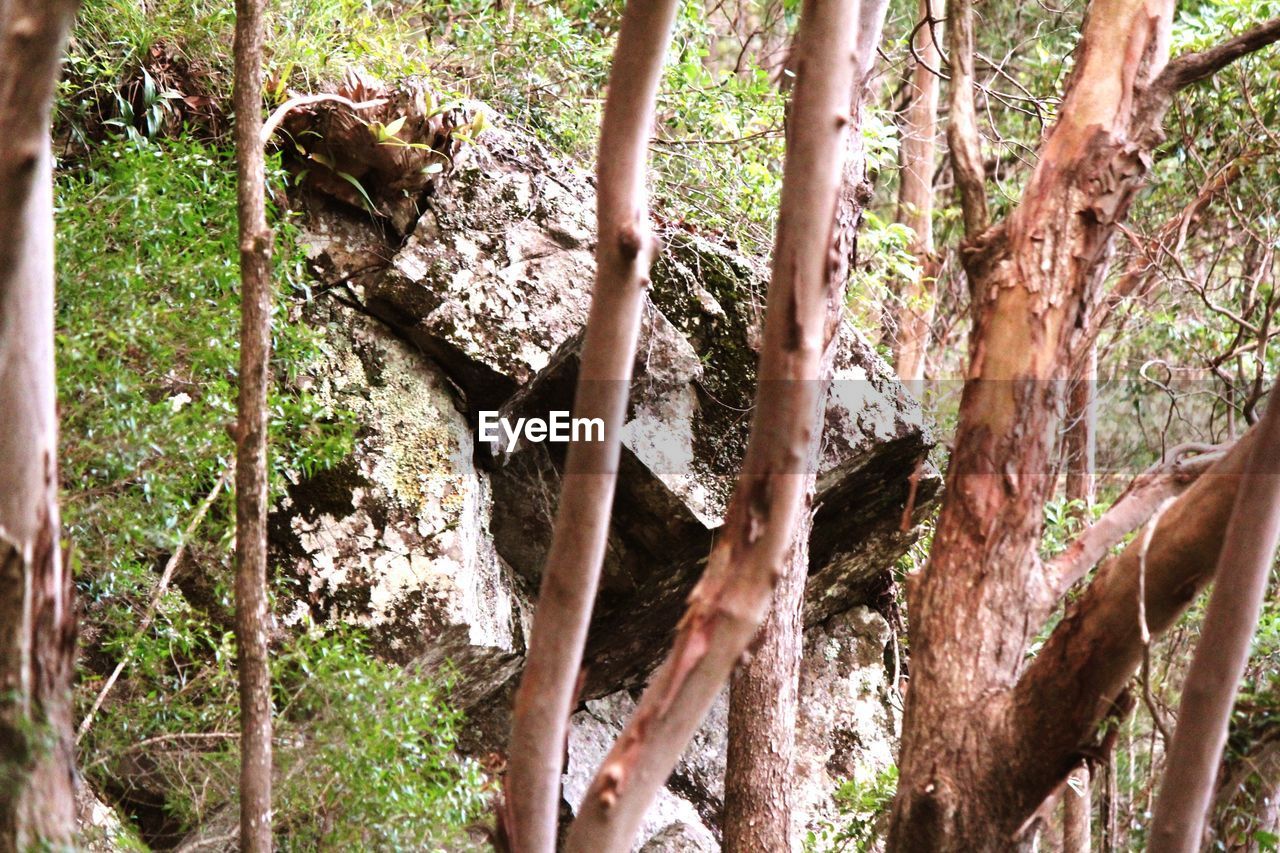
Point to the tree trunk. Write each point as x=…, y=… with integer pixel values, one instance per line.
x=1222, y=652
x=624, y=252
x=1077, y=811
x=252, y=611
x=835, y=50
x=764, y=692
x=37, y=614
x=763, y=697
x=975, y=605
x=1079, y=442
x=915, y=198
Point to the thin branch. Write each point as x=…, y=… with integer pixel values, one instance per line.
x=1144, y=496
x=1191, y=68
x=624, y=252
x=162, y=586
x=962, y=132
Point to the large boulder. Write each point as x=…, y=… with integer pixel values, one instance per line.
x=436, y=541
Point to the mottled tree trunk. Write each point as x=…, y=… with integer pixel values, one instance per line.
x=835, y=50
x=1222, y=652
x=37, y=615
x=915, y=197
x=252, y=609
x=981, y=750
x=624, y=252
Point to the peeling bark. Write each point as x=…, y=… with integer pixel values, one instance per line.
x=37, y=616
x=252, y=611
x=624, y=253
x=835, y=50
x=972, y=768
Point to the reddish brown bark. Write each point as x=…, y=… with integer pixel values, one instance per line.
x=37, y=616
x=915, y=196
x=252, y=609
x=624, y=253
x=1209, y=692
x=762, y=719
x=835, y=49
x=973, y=608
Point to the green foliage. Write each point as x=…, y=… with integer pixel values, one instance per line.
x=364, y=750
x=860, y=812
x=147, y=337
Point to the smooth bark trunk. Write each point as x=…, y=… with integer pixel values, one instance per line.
x=37, y=614
x=252, y=608
x=624, y=252
x=915, y=197
x=835, y=50
x=1222, y=652
x=1077, y=812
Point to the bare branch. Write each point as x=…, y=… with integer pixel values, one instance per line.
x=1194, y=67
x=835, y=50
x=962, y=132
x=1222, y=652
x=1139, y=502
x=624, y=252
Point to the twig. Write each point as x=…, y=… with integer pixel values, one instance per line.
x=1145, y=632
x=165, y=577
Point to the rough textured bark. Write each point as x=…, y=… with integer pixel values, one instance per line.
x=1209, y=692
x=835, y=50
x=37, y=616
x=623, y=255
x=1035, y=276
x=963, y=139
x=1085, y=665
x=762, y=719
x=915, y=197
x=252, y=612
x=763, y=692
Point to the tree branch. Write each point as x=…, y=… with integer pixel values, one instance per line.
x=1057, y=704
x=1222, y=652
x=624, y=252
x=1141, y=499
x=962, y=131
x=835, y=51
x=1194, y=67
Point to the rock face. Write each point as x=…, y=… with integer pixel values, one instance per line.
x=436, y=541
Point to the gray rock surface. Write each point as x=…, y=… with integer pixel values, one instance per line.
x=437, y=544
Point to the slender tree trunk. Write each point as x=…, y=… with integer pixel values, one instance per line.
x=1223, y=649
x=762, y=719
x=252, y=609
x=915, y=197
x=1080, y=440
x=835, y=50
x=624, y=252
x=764, y=691
x=963, y=138
x=1077, y=811
x=37, y=614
